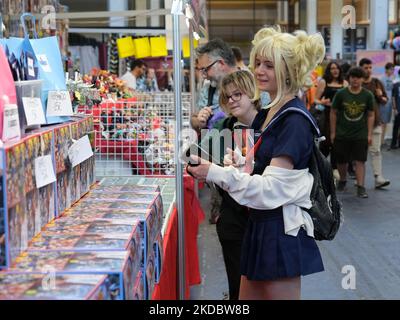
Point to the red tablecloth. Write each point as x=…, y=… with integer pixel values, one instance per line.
x=194, y=215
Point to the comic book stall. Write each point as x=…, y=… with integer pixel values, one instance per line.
x=87, y=183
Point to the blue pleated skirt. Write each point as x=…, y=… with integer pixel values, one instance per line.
x=269, y=254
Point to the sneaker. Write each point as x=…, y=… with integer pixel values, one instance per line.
x=381, y=182
x=341, y=186
x=361, y=193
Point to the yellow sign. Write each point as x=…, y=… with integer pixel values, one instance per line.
x=186, y=46
x=142, y=46
x=126, y=48
x=158, y=46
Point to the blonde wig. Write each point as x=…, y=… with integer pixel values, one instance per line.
x=294, y=57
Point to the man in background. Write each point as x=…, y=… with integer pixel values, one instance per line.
x=378, y=90
x=138, y=68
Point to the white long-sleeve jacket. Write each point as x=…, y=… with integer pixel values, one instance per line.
x=276, y=187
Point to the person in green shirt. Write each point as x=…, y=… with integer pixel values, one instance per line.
x=352, y=121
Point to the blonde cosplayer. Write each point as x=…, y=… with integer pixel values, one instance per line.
x=244, y=81
x=294, y=57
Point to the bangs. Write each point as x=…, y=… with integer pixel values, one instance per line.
x=264, y=49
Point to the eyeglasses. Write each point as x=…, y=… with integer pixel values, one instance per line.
x=205, y=69
x=235, y=97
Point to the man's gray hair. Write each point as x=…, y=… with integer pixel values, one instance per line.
x=218, y=49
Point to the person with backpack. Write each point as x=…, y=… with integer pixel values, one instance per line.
x=279, y=245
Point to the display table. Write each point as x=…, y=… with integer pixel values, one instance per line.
x=167, y=289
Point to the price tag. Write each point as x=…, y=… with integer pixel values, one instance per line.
x=44, y=62
x=80, y=151
x=59, y=104
x=11, y=128
x=31, y=68
x=33, y=111
x=44, y=171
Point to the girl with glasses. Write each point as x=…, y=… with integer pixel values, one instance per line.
x=238, y=99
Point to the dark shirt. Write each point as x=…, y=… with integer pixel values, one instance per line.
x=372, y=86
x=396, y=95
x=291, y=136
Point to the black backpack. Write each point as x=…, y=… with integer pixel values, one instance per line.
x=326, y=210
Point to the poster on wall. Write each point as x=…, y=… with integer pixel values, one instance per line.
x=379, y=58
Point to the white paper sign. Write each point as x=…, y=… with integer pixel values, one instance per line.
x=80, y=151
x=44, y=62
x=11, y=127
x=59, y=104
x=33, y=111
x=31, y=69
x=44, y=171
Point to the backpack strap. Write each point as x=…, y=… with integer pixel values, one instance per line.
x=285, y=112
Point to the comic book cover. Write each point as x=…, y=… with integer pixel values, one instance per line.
x=118, y=241
x=33, y=213
x=17, y=230
x=47, y=204
x=36, y=286
x=39, y=261
x=31, y=153
x=150, y=276
x=138, y=289
x=125, y=188
x=158, y=255
x=53, y=240
x=62, y=192
x=62, y=142
x=15, y=174
x=12, y=286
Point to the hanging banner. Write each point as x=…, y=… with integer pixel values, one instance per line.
x=186, y=46
x=379, y=59
x=142, y=46
x=158, y=46
x=126, y=47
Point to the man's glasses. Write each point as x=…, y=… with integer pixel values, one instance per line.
x=235, y=97
x=205, y=69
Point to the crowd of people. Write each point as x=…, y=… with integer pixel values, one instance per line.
x=259, y=194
